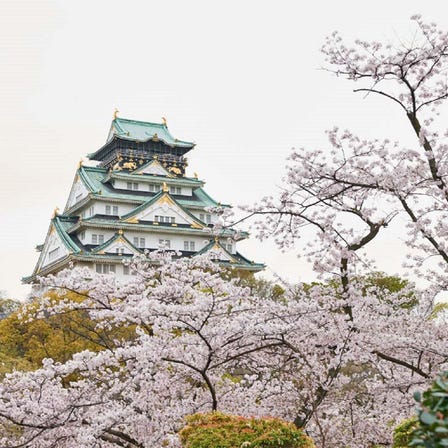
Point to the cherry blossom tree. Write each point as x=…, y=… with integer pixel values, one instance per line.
x=340, y=359
x=350, y=192
x=203, y=343
x=197, y=336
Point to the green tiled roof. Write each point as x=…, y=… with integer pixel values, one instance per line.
x=62, y=224
x=99, y=223
x=93, y=177
x=87, y=179
x=186, y=181
x=142, y=131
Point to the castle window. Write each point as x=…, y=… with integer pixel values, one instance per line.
x=175, y=190
x=208, y=218
x=97, y=238
x=112, y=210
x=132, y=185
x=167, y=219
x=165, y=244
x=154, y=188
x=82, y=235
x=139, y=242
x=105, y=268
x=228, y=247
x=189, y=246
x=119, y=250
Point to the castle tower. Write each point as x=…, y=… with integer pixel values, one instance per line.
x=137, y=198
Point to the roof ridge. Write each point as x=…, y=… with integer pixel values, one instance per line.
x=130, y=120
x=116, y=236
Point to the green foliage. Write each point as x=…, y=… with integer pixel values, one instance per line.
x=403, y=433
x=377, y=284
x=258, y=286
x=432, y=430
x=218, y=430
x=25, y=342
x=9, y=363
x=383, y=285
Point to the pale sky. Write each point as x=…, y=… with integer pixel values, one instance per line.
x=240, y=78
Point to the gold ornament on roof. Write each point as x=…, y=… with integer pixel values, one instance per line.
x=116, y=111
x=195, y=175
x=80, y=163
x=175, y=170
x=55, y=212
x=164, y=121
x=120, y=232
x=129, y=165
x=165, y=187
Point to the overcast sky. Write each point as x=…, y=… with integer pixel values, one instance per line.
x=240, y=78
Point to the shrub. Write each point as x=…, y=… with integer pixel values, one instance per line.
x=432, y=429
x=403, y=432
x=218, y=430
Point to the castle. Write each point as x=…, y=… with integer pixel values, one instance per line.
x=137, y=198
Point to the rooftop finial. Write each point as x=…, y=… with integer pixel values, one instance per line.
x=164, y=120
x=195, y=175
x=55, y=212
x=80, y=163
x=116, y=113
x=165, y=187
